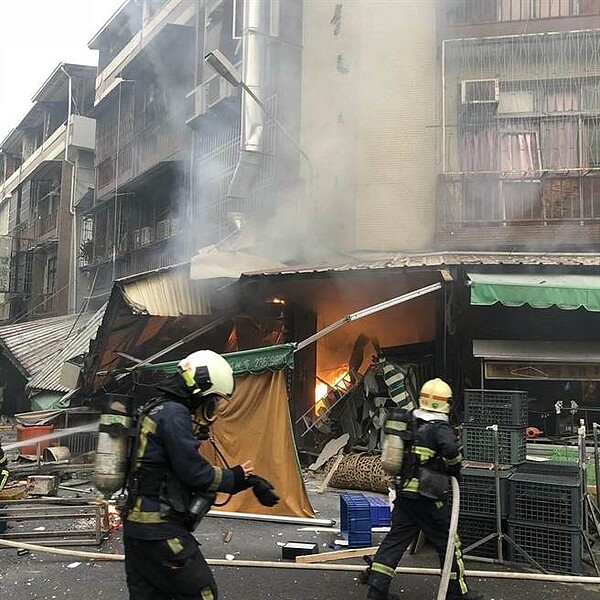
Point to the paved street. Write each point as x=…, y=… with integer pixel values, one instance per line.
x=45, y=576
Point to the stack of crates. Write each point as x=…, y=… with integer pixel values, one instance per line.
x=508, y=410
x=545, y=515
x=505, y=408
x=358, y=514
x=355, y=520
x=478, y=508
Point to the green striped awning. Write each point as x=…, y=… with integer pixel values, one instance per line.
x=568, y=292
x=257, y=360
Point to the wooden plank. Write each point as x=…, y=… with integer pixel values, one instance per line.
x=337, y=555
x=329, y=475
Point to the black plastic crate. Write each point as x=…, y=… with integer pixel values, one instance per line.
x=557, y=549
x=478, y=491
x=559, y=468
x=472, y=529
x=546, y=499
x=496, y=407
x=478, y=444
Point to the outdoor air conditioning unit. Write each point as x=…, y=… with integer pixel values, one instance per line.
x=163, y=229
x=142, y=237
x=207, y=95
x=480, y=91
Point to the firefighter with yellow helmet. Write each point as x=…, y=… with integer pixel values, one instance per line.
x=432, y=455
x=171, y=486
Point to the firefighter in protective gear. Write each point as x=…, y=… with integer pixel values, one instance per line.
x=421, y=505
x=171, y=486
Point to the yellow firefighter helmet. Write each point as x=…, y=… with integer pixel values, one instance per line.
x=435, y=396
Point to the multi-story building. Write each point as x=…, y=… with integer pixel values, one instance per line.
x=131, y=224
x=175, y=168
x=520, y=125
x=46, y=167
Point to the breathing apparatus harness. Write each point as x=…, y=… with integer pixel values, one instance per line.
x=116, y=469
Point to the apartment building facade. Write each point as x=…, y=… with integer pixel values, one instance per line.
x=520, y=125
x=46, y=167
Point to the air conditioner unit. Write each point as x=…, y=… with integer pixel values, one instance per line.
x=480, y=91
x=163, y=229
x=207, y=95
x=142, y=237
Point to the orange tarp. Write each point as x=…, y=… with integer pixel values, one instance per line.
x=255, y=425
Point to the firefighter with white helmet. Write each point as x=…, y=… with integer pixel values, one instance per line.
x=432, y=455
x=171, y=486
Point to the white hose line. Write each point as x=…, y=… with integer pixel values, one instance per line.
x=445, y=580
x=260, y=564
x=62, y=551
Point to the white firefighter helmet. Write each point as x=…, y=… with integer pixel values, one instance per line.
x=435, y=396
x=207, y=372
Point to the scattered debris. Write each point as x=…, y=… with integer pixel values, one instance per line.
x=73, y=565
x=227, y=535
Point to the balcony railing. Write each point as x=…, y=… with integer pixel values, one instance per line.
x=158, y=142
x=47, y=223
x=475, y=12
x=487, y=201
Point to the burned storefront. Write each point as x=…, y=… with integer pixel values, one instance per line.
x=367, y=336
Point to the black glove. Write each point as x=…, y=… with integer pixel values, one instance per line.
x=263, y=490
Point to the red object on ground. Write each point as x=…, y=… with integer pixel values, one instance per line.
x=533, y=432
x=27, y=432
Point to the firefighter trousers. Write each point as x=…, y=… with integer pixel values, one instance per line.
x=172, y=569
x=408, y=518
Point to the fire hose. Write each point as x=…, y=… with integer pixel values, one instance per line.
x=446, y=568
x=445, y=572
x=259, y=564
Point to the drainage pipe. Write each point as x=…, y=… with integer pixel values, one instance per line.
x=261, y=564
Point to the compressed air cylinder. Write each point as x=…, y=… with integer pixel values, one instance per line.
x=392, y=451
x=112, y=453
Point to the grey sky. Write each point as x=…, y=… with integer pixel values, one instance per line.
x=37, y=35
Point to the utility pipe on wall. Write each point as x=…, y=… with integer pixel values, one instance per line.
x=74, y=168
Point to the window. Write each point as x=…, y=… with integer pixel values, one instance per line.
x=592, y=147
x=50, y=279
x=479, y=148
x=560, y=142
x=519, y=152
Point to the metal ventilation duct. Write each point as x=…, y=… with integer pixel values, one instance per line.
x=253, y=116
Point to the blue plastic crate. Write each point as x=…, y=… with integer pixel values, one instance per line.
x=381, y=515
x=355, y=520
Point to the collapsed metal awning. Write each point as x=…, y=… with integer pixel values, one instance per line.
x=517, y=359
x=537, y=290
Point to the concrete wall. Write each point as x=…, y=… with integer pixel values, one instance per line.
x=369, y=120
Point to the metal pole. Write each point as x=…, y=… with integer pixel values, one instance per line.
x=596, y=463
x=496, y=438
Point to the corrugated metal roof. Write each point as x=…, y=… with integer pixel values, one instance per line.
x=439, y=259
x=28, y=344
x=166, y=292
x=48, y=377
